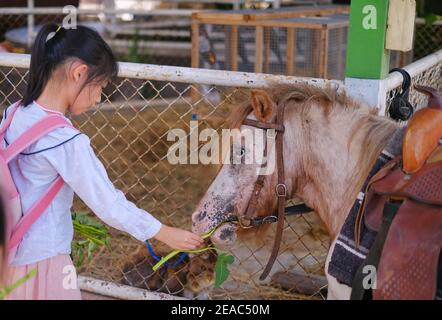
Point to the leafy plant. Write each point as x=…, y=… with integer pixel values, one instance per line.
x=221, y=267
x=90, y=234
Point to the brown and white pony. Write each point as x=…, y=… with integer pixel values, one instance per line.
x=330, y=143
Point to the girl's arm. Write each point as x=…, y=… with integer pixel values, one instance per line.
x=79, y=167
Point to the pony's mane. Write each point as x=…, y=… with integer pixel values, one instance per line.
x=305, y=94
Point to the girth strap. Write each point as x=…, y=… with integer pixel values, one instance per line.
x=358, y=291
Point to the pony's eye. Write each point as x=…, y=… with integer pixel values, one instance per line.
x=242, y=152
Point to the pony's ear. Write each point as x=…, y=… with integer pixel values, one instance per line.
x=263, y=105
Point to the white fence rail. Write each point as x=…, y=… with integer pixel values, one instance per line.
x=186, y=75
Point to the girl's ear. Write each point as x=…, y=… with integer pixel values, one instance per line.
x=79, y=71
x=263, y=105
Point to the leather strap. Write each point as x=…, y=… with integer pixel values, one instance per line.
x=254, y=199
x=358, y=291
x=264, y=125
x=281, y=193
x=280, y=189
x=359, y=217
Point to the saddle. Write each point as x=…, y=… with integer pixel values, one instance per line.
x=403, y=205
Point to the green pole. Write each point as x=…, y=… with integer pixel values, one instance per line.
x=367, y=57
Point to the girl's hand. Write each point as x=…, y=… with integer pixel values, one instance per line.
x=179, y=239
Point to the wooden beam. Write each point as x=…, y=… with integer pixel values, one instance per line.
x=291, y=48
x=259, y=41
x=195, y=51
x=340, y=57
x=323, y=53
x=400, y=21
x=282, y=23
x=195, y=55
x=234, y=48
x=255, y=15
x=300, y=12
x=267, y=33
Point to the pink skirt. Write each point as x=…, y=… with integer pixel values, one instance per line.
x=56, y=279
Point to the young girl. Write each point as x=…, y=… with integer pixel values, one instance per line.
x=69, y=68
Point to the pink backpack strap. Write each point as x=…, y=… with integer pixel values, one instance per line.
x=30, y=136
x=34, y=213
x=8, y=119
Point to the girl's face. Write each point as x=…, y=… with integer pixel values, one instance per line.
x=84, y=97
x=88, y=98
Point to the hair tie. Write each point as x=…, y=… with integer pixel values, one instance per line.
x=52, y=34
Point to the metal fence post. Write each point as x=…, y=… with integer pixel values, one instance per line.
x=367, y=58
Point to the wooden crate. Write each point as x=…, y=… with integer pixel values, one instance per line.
x=306, y=41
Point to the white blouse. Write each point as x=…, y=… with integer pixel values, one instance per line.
x=68, y=153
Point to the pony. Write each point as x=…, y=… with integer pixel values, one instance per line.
x=330, y=143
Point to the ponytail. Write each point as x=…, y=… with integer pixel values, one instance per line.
x=54, y=45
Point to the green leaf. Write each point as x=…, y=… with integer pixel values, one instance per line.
x=221, y=268
x=91, y=248
x=80, y=258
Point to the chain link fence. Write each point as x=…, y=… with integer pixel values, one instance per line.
x=427, y=38
x=129, y=135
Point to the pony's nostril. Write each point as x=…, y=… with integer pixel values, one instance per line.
x=226, y=233
x=200, y=216
x=225, y=236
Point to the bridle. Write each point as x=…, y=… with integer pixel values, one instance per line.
x=248, y=220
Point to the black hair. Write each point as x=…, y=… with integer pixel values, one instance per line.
x=54, y=45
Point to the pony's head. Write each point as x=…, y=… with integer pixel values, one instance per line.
x=325, y=136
